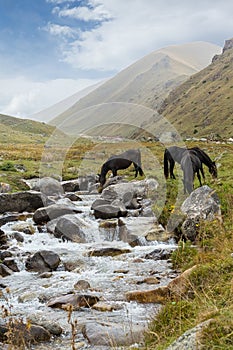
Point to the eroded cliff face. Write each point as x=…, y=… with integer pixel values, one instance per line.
x=228, y=45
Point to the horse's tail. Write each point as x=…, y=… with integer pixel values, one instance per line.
x=165, y=163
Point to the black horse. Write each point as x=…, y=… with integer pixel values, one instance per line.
x=121, y=161
x=191, y=165
x=174, y=154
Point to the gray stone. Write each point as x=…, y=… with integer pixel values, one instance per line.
x=43, y=215
x=113, y=334
x=50, y=187
x=202, y=204
x=21, y=201
x=70, y=227
x=42, y=261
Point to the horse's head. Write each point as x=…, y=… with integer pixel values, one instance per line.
x=213, y=170
x=102, y=179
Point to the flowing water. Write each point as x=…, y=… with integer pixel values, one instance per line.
x=109, y=277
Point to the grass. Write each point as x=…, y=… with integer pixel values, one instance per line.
x=210, y=295
x=211, y=284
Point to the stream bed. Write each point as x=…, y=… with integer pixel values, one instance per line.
x=115, y=325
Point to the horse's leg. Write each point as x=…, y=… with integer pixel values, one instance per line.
x=172, y=165
x=202, y=173
x=136, y=169
x=114, y=172
x=199, y=177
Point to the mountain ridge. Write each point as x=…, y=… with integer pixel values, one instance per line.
x=146, y=82
x=202, y=105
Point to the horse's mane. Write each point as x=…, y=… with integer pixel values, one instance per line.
x=204, y=156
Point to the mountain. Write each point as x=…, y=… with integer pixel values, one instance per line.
x=203, y=104
x=60, y=107
x=15, y=130
x=141, y=88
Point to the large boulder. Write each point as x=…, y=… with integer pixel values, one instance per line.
x=175, y=290
x=50, y=187
x=45, y=214
x=70, y=227
x=202, y=204
x=117, y=199
x=21, y=201
x=113, y=334
x=17, y=333
x=127, y=192
x=108, y=211
x=43, y=261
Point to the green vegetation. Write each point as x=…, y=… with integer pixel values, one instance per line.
x=210, y=294
x=202, y=105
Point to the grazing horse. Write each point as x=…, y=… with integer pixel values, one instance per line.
x=191, y=165
x=122, y=161
x=174, y=154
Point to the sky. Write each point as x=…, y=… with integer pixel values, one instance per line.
x=50, y=49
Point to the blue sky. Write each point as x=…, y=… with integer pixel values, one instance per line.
x=50, y=49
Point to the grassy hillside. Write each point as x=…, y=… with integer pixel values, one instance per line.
x=203, y=105
x=16, y=130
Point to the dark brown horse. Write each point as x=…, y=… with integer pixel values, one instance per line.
x=174, y=154
x=122, y=161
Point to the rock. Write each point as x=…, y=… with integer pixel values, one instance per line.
x=157, y=233
x=75, y=300
x=11, y=264
x=104, y=306
x=202, y=204
x=45, y=275
x=228, y=45
x=70, y=227
x=158, y=295
x=109, y=251
x=4, y=270
x=159, y=254
x=24, y=227
x=82, y=285
x=43, y=261
x=98, y=202
x=175, y=290
x=108, y=211
x=27, y=296
x=18, y=236
x=18, y=333
x=43, y=215
x=50, y=187
x=74, y=264
x=21, y=201
x=73, y=197
x=5, y=218
x=190, y=339
x=151, y=280
x=113, y=334
x=71, y=185
x=3, y=238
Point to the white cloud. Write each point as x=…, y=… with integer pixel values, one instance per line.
x=98, y=13
x=137, y=27
x=58, y=30
x=23, y=97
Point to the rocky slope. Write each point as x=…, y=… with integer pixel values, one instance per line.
x=202, y=105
